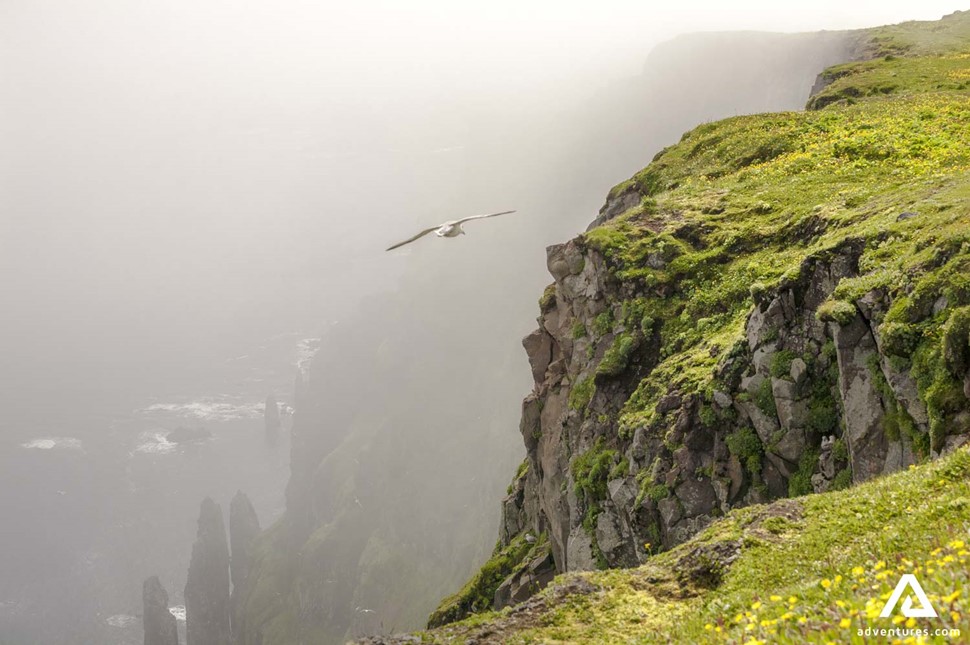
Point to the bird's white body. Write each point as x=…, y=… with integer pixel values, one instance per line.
x=448, y=229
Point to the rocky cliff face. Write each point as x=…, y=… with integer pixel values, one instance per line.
x=160, y=625
x=207, y=587
x=243, y=531
x=767, y=310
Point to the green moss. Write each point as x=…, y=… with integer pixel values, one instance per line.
x=578, y=330
x=478, y=594
x=840, y=451
x=899, y=339
x=617, y=357
x=519, y=474
x=658, y=492
x=548, y=300
x=800, y=482
x=581, y=394
x=603, y=323
x=781, y=364
x=837, y=311
x=956, y=343
x=590, y=472
x=843, y=479
x=622, y=469
x=744, y=444
x=765, y=400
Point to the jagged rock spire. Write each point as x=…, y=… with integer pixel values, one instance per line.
x=160, y=625
x=207, y=586
x=243, y=529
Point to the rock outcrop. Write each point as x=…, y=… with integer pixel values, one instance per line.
x=207, y=587
x=243, y=530
x=160, y=625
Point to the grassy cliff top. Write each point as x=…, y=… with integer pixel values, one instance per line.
x=738, y=206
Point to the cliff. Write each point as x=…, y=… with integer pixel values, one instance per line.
x=777, y=305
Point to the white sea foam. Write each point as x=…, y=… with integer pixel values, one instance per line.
x=178, y=611
x=306, y=349
x=121, y=620
x=216, y=409
x=53, y=443
x=155, y=443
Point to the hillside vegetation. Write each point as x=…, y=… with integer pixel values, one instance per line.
x=811, y=569
x=779, y=305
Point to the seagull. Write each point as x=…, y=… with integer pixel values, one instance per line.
x=448, y=229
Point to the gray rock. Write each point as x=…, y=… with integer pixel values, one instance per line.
x=623, y=492
x=207, y=586
x=697, y=496
x=608, y=536
x=617, y=205
x=792, y=445
x=798, y=370
x=579, y=551
x=160, y=625
x=668, y=403
x=670, y=510
x=538, y=347
x=526, y=581
x=243, y=530
x=902, y=217
x=863, y=407
x=556, y=261
x=751, y=384
x=655, y=260
x=723, y=399
x=782, y=389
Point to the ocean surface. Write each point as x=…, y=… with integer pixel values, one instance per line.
x=95, y=497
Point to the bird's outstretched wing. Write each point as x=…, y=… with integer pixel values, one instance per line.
x=411, y=239
x=465, y=219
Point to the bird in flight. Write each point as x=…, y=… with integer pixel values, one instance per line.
x=448, y=229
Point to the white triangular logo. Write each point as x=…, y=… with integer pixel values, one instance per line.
x=925, y=609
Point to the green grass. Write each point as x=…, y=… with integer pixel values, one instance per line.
x=744, y=202
x=816, y=569
x=478, y=593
